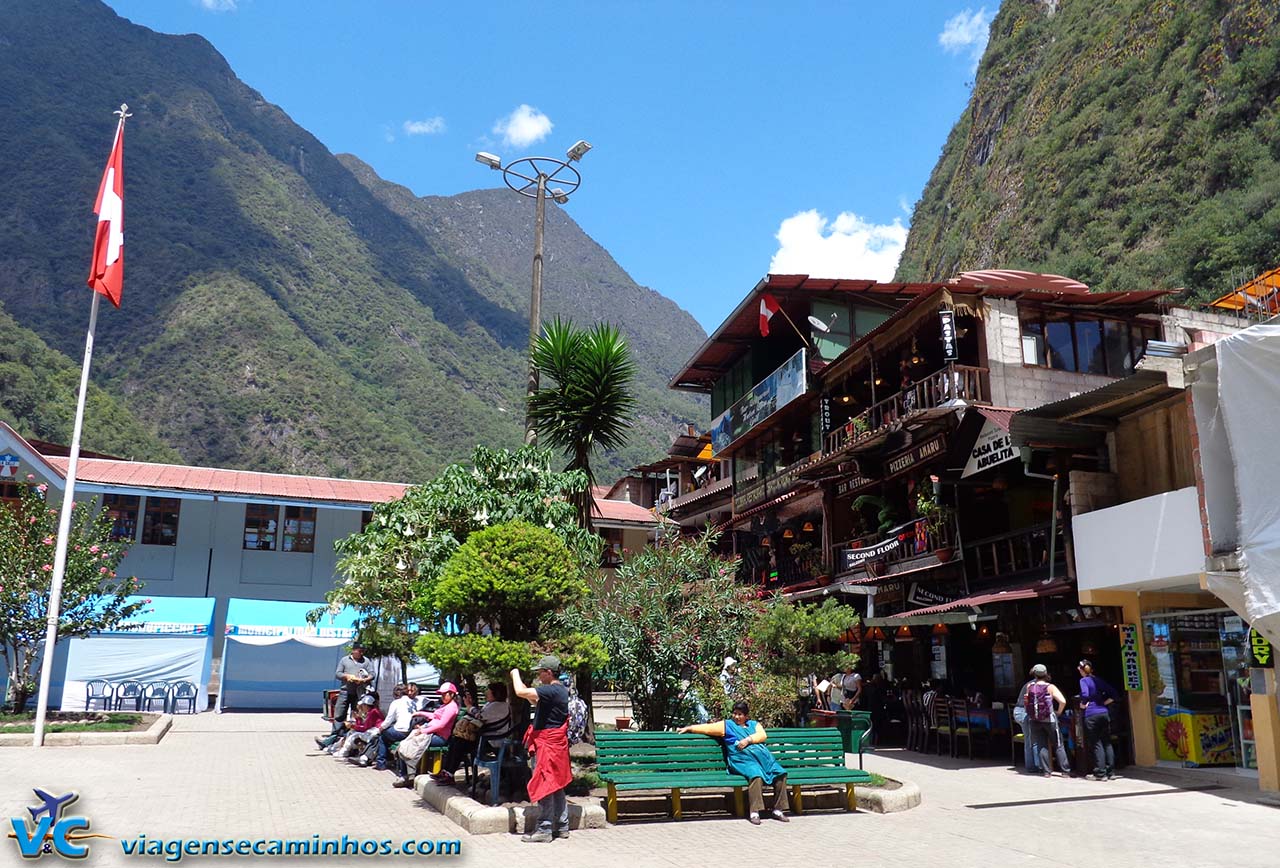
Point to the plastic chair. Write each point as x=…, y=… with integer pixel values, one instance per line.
x=98, y=690
x=491, y=757
x=128, y=690
x=184, y=691
x=156, y=690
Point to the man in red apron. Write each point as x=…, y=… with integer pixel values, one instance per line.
x=548, y=741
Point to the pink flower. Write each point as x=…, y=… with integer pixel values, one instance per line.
x=93, y=549
x=42, y=488
x=102, y=571
x=148, y=600
x=47, y=567
x=31, y=476
x=31, y=520
x=105, y=556
x=48, y=540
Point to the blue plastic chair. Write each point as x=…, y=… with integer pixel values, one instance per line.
x=156, y=691
x=99, y=691
x=482, y=759
x=128, y=691
x=184, y=691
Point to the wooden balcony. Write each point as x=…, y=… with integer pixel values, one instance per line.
x=1020, y=552
x=941, y=389
x=907, y=542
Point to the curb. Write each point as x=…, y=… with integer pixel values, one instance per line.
x=152, y=735
x=478, y=819
x=880, y=801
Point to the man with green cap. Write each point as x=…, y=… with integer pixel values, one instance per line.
x=548, y=741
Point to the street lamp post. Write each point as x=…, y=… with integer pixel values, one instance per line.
x=530, y=176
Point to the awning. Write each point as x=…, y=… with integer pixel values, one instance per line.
x=1001, y=416
x=770, y=504
x=913, y=619
x=1009, y=595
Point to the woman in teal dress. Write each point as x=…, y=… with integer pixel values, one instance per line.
x=744, y=748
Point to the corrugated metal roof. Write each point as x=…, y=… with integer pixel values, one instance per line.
x=999, y=415
x=1084, y=419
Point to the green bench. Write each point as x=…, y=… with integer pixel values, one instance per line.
x=633, y=761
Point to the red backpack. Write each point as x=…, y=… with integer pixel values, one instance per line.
x=1039, y=702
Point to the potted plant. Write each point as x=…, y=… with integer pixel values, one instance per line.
x=939, y=519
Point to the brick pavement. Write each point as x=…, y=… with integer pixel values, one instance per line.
x=257, y=775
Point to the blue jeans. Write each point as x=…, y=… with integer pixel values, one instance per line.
x=388, y=738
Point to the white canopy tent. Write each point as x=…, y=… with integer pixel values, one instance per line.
x=274, y=659
x=170, y=640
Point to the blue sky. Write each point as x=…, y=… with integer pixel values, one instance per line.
x=731, y=139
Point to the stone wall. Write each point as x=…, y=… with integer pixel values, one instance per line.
x=1014, y=384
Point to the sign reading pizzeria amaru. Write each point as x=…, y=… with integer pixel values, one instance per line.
x=906, y=460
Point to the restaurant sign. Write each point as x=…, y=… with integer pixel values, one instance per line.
x=1261, y=653
x=920, y=595
x=1129, y=662
x=993, y=446
x=910, y=458
x=950, y=352
x=767, y=397
x=852, y=558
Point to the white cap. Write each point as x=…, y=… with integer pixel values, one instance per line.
x=729, y=661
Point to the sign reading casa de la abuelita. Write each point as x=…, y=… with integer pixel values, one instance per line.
x=993, y=446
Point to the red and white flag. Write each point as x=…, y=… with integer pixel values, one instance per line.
x=768, y=307
x=106, y=271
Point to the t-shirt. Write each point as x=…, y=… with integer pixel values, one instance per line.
x=351, y=666
x=851, y=684
x=1095, y=692
x=400, y=713
x=552, y=709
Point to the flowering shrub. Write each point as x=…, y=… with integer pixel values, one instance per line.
x=93, y=598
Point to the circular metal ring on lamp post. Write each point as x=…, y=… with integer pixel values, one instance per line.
x=524, y=180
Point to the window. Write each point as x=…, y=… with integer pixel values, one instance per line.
x=1084, y=343
x=160, y=521
x=299, y=529
x=366, y=516
x=260, y=526
x=835, y=341
x=123, y=509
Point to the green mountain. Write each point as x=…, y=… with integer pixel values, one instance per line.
x=1128, y=144
x=284, y=310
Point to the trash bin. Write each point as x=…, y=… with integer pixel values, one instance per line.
x=850, y=723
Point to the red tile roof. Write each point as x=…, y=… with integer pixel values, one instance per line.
x=624, y=510
x=242, y=483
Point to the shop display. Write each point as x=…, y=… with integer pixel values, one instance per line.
x=1195, y=738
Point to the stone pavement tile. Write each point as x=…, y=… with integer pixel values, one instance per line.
x=260, y=775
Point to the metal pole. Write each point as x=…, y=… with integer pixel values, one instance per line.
x=1053, y=529
x=535, y=308
x=64, y=533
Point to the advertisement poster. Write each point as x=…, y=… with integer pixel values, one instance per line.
x=771, y=394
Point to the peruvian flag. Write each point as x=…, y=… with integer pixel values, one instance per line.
x=106, y=271
x=768, y=307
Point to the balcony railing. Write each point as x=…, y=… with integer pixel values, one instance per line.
x=777, y=483
x=954, y=382
x=1019, y=551
x=906, y=542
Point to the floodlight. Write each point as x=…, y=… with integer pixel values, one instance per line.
x=579, y=150
x=493, y=161
x=559, y=195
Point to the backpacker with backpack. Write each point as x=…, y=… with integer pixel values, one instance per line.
x=1039, y=702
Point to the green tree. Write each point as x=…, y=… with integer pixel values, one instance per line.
x=590, y=401
x=93, y=599
x=668, y=618
x=391, y=568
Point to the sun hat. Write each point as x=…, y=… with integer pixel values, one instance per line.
x=448, y=687
x=550, y=661
x=1039, y=670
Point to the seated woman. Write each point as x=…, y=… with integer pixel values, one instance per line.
x=363, y=729
x=438, y=724
x=747, y=756
x=494, y=718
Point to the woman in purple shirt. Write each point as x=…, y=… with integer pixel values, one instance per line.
x=1095, y=696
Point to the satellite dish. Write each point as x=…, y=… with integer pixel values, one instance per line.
x=820, y=326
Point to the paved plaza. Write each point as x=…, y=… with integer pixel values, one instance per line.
x=258, y=776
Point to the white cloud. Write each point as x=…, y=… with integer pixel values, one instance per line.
x=848, y=246
x=428, y=127
x=218, y=5
x=524, y=126
x=967, y=32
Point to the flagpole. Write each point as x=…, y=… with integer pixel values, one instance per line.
x=64, y=533
x=64, y=519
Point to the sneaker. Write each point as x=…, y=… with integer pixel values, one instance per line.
x=563, y=833
x=1111, y=774
x=754, y=819
x=322, y=742
x=1099, y=776
x=537, y=838
x=403, y=783
x=778, y=815
x=362, y=761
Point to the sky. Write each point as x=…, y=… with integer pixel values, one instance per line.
x=730, y=139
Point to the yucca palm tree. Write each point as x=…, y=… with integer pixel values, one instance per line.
x=589, y=401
